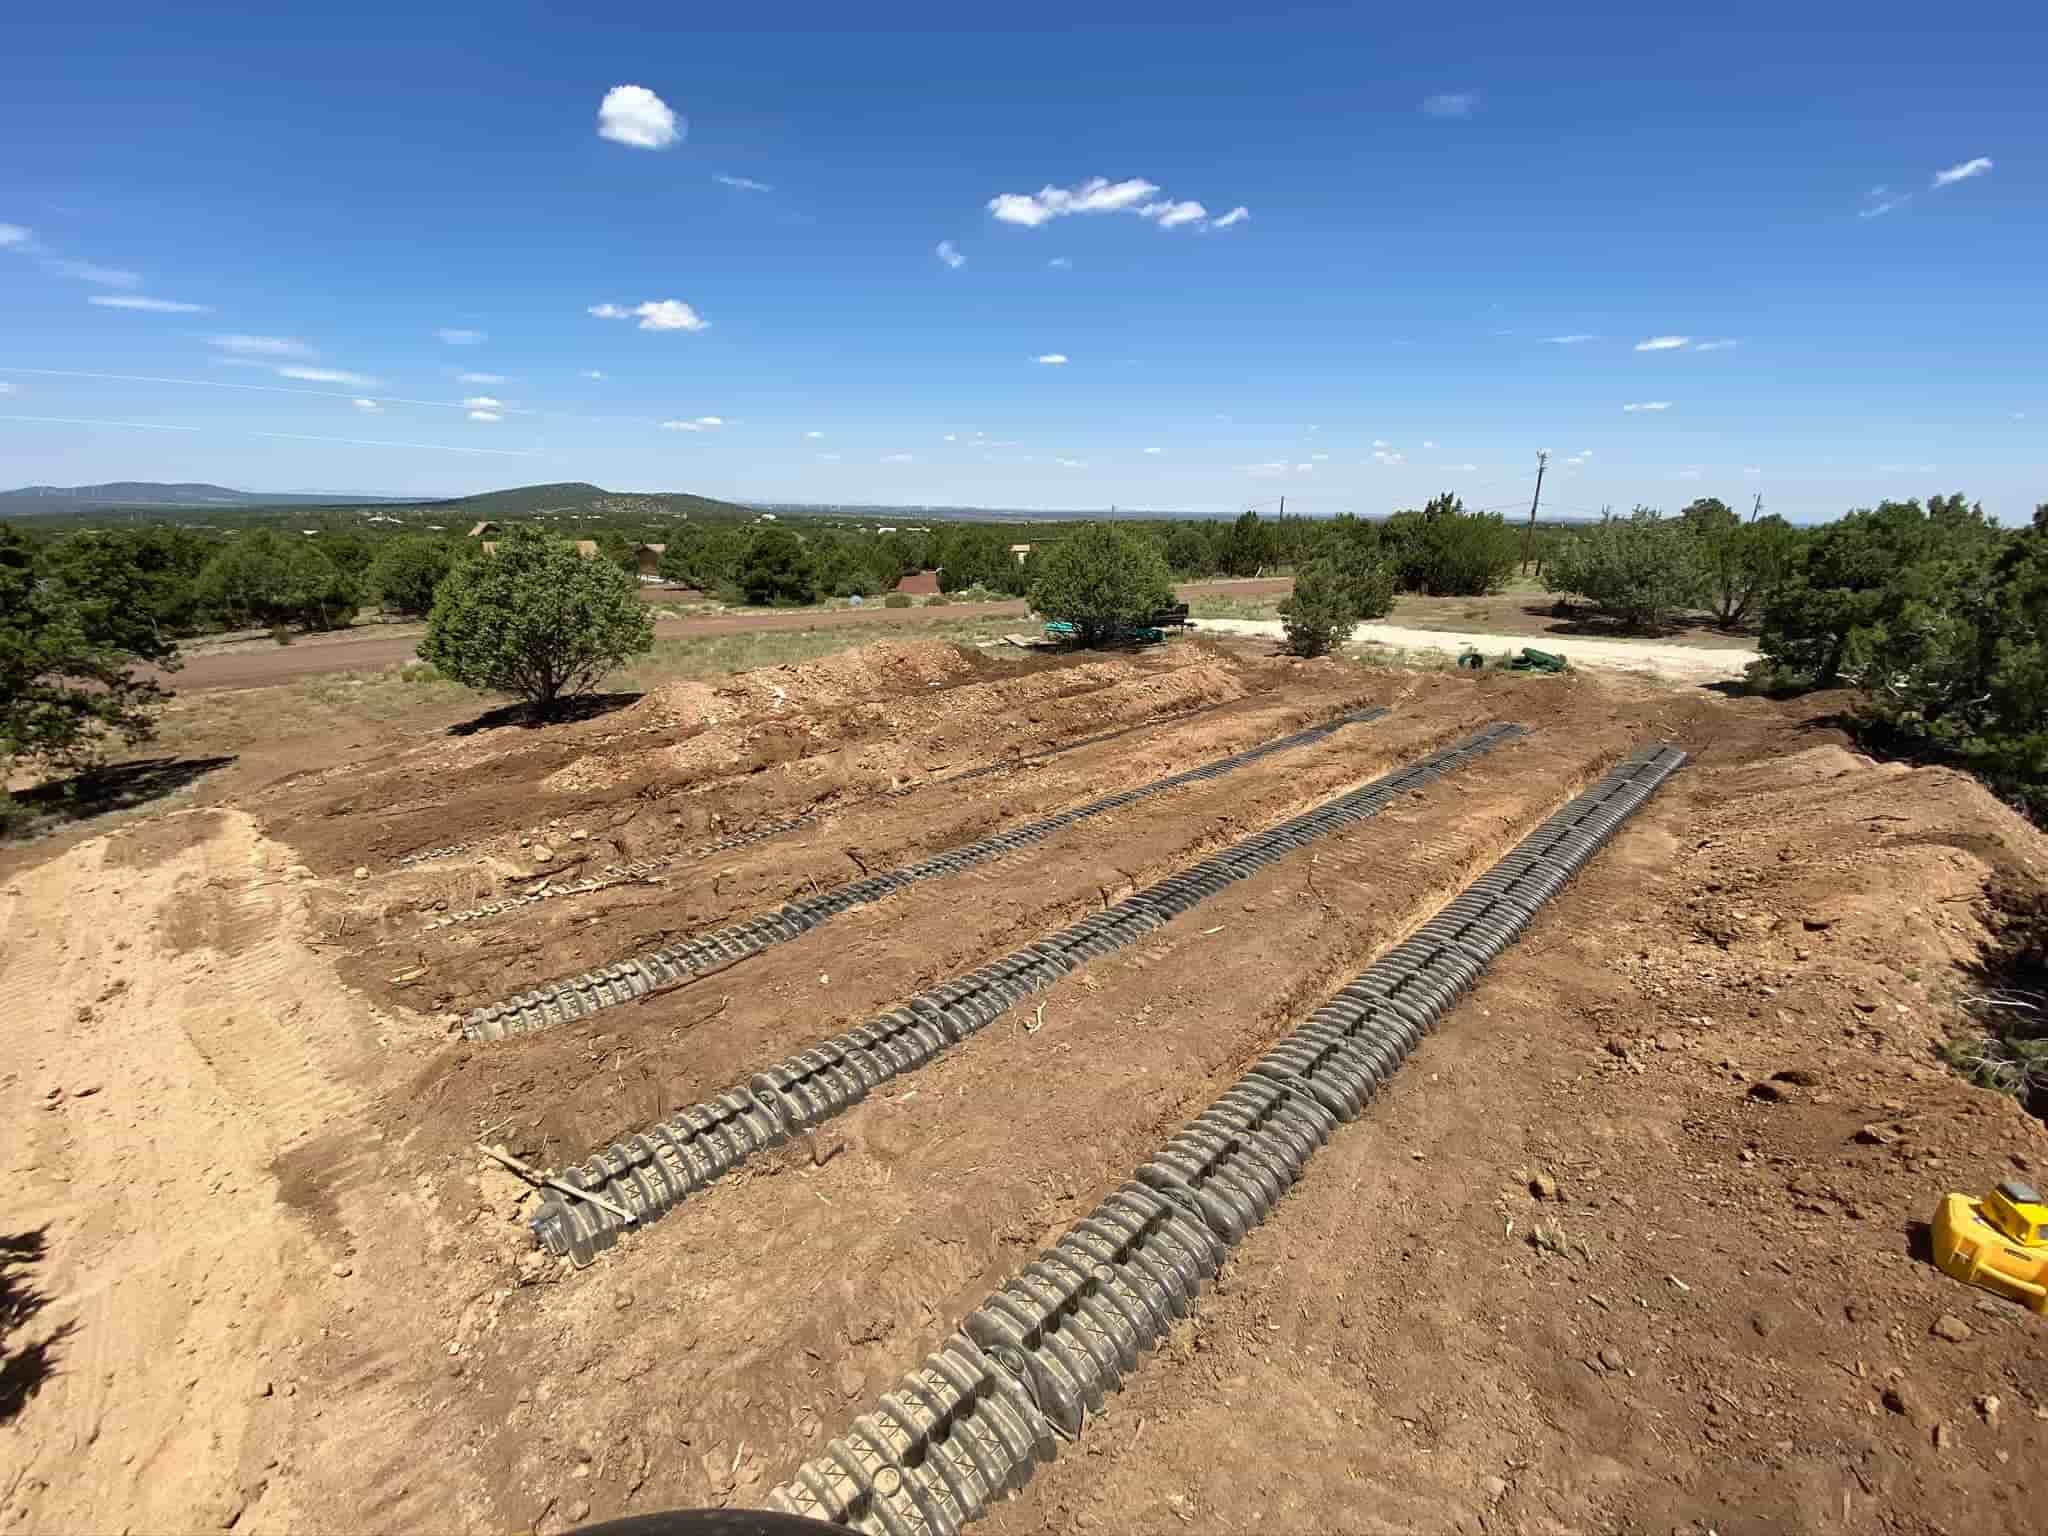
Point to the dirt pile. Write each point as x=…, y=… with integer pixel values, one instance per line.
x=882, y=670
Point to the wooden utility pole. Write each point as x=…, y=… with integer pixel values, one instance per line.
x=1754, y=510
x=1283, y=506
x=1529, y=537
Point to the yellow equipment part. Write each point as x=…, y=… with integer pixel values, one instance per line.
x=1999, y=1242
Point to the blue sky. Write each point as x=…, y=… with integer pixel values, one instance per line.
x=1458, y=233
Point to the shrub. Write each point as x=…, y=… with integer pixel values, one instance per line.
x=406, y=570
x=1321, y=612
x=1104, y=576
x=1445, y=551
x=535, y=619
x=1742, y=564
x=265, y=577
x=896, y=600
x=937, y=600
x=1640, y=569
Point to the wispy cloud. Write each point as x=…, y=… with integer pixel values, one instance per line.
x=1099, y=194
x=1071, y=463
x=480, y=378
x=696, y=424
x=1459, y=469
x=1061, y=264
x=1155, y=451
x=1571, y=340
x=1907, y=469
x=87, y=272
x=668, y=315
x=483, y=403
x=1721, y=345
x=1384, y=455
x=327, y=376
x=1882, y=205
x=14, y=234
x=635, y=116
x=1236, y=215
x=1320, y=458
x=459, y=336
x=368, y=407
x=1451, y=104
x=143, y=302
x=1692, y=472
x=261, y=346
x=1053, y=359
x=1752, y=469
x=1647, y=405
x=744, y=183
x=594, y=373
x=1663, y=343
x=485, y=416
x=814, y=436
x=949, y=253
x=1978, y=167
x=831, y=458
x=609, y=311
x=898, y=458
x=1270, y=467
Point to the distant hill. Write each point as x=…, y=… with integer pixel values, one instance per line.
x=566, y=498
x=44, y=500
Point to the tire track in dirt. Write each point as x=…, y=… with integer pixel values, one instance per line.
x=799, y=1288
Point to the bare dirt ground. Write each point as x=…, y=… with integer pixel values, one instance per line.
x=295, y=1298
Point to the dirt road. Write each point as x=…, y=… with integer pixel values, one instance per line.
x=374, y=648
x=1668, y=659
x=1670, y=1284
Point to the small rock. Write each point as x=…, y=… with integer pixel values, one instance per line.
x=1610, y=1357
x=577, y=1510
x=1543, y=1187
x=1895, y=1401
x=1865, y=1005
x=1495, y=1488
x=1767, y=1093
x=542, y=854
x=1875, y=1136
x=578, y=835
x=85, y=1090
x=1990, y=1405
x=362, y=871
x=1800, y=1077
x=1950, y=1327
x=265, y=1389
x=1941, y=1437
x=342, y=1271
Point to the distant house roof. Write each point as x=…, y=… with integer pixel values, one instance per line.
x=659, y=549
x=923, y=584
x=483, y=528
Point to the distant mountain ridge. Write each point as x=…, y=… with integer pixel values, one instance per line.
x=34, y=500
x=571, y=496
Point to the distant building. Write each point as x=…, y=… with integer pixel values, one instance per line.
x=922, y=584
x=484, y=530
x=1020, y=552
x=587, y=548
x=649, y=556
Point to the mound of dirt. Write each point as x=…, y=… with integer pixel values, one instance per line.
x=881, y=670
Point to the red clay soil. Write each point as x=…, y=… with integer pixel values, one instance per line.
x=1705, y=1084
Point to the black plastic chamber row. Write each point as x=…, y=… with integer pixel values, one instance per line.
x=1023, y=1372
x=649, y=1174
x=624, y=980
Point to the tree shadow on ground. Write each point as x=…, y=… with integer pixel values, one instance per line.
x=1586, y=622
x=589, y=706
x=24, y=1370
x=117, y=787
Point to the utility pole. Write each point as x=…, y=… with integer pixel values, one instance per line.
x=1283, y=506
x=1529, y=538
x=1753, y=511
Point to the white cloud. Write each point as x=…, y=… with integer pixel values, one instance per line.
x=1907, y=469
x=1304, y=469
x=1647, y=405
x=1752, y=469
x=831, y=458
x=1692, y=472
x=86, y=272
x=1585, y=453
x=668, y=315
x=1574, y=461
x=594, y=373
x=1427, y=443
x=1387, y=456
x=262, y=346
x=634, y=115
x=6, y=388
x=949, y=253
x=1879, y=209
x=480, y=378
x=457, y=336
x=897, y=458
x=1451, y=104
x=609, y=311
x=1380, y=442
x=1320, y=458
x=1061, y=264
x=1055, y=359
x=1717, y=346
x=699, y=424
x=814, y=435
x=1236, y=215
x=1663, y=343
x=370, y=406
x=1071, y=463
x=326, y=376
x=153, y=306
x=744, y=183
x=14, y=234
x=1096, y=195
x=1172, y=215
x=1955, y=173
x=483, y=403
x=1270, y=467
x=1459, y=469
x=1571, y=340
x=485, y=416
x=1155, y=451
